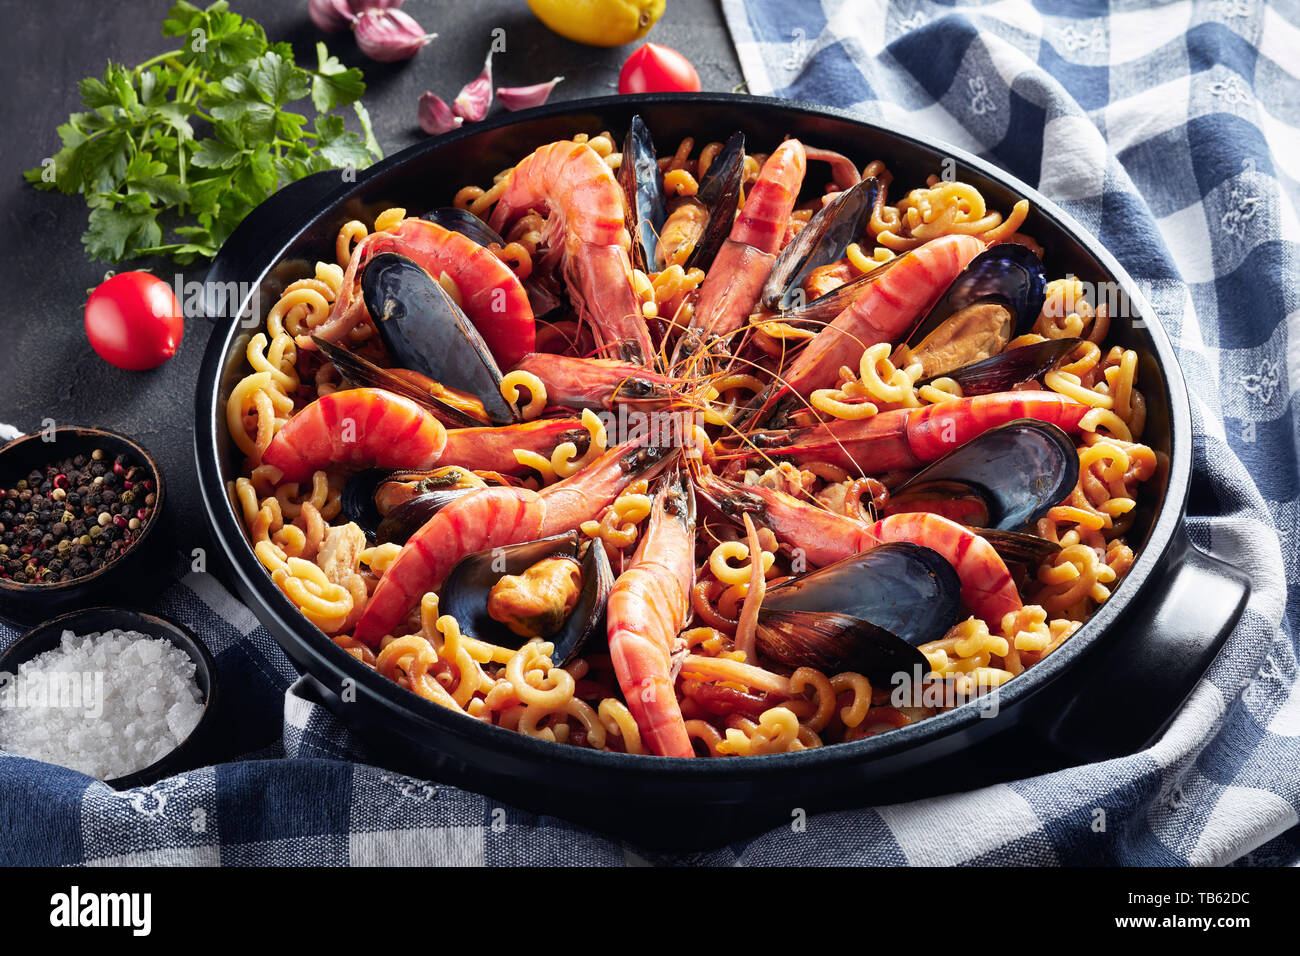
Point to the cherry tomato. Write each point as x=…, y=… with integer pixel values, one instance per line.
x=657, y=69
x=133, y=321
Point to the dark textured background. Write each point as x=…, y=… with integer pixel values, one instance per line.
x=47, y=368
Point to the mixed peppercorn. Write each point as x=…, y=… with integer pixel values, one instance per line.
x=73, y=517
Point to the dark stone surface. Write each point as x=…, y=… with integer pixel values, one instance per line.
x=47, y=368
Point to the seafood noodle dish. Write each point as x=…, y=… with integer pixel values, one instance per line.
x=694, y=452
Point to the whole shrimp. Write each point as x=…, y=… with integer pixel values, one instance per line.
x=735, y=279
x=585, y=229
x=496, y=517
x=647, y=608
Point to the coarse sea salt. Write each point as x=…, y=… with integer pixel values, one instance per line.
x=106, y=704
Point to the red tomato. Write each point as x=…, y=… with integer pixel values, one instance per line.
x=657, y=69
x=133, y=321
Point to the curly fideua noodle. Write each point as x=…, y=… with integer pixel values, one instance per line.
x=732, y=702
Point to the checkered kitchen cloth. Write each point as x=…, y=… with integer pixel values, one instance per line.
x=1171, y=133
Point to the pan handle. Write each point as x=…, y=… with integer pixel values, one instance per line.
x=1119, y=701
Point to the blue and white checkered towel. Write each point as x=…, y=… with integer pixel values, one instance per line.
x=1171, y=133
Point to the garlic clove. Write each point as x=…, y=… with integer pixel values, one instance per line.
x=332, y=16
x=526, y=97
x=436, y=116
x=476, y=96
x=389, y=35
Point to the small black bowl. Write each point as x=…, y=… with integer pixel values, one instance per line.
x=189, y=752
x=28, y=602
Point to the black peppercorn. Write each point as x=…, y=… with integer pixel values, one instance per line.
x=72, y=517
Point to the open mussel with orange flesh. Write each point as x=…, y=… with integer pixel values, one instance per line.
x=822, y=241
x=548, y=589
x=701, y=223
x=399, y=487
x=867, y=613
x=393, y=505
x=425, y=331
x=646, y=205
x=411, y=515
x=466, y=223
x=999, y=483
x=996, y=298
x=1008, y=369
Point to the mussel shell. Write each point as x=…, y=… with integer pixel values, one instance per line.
x=1007, y=369
x=822, y=241
x=719, y=193
x=1007, y=272
x=905, y=594
x=401, y=486
x=1021, y=470
x=832, y=642
x=1019, y=546
x=825, y=308
x=466, y=223
x=357, y=500
x=425, y=331
x=363, y=372
x=464, y=593
x=410, y=516
x=643, y=187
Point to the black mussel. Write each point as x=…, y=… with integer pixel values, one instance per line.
x=719, y=194
x=373, y=498
x=823, y=309
x=869, y=612
x=1006, y=370
x=448, y=406
x=997, y=297
x=357, y=500
x=495, y=598
x=401, y=486
x=410, y=516
x=1006, y=479
x=824, y=240
x=1020, y=546
x=466, y=223
x=643, y=186
x=426, y=332
x=832, y=642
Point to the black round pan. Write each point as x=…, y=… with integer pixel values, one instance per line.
x=1107, y=691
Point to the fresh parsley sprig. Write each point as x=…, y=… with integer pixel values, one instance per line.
x=171, y=154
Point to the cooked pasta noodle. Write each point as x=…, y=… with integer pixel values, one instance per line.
x=511, y=385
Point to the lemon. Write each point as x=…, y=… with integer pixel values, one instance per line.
x=599, y=22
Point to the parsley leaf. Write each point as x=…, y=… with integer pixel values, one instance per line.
x=113, y=231
x=334, y=85
x=170, y=155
